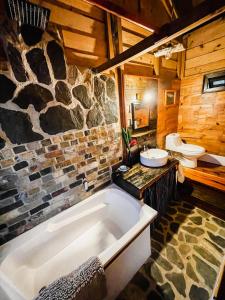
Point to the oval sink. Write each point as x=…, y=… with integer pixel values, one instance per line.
x=154, y=158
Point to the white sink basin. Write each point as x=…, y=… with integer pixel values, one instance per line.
x=154, y=158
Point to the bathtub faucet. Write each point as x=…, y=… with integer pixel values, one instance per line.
x=85, y=184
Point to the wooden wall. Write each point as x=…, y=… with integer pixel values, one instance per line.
x=202, y=116
x=167, y=121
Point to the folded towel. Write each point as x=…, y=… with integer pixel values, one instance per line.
x=85, y=283
x=180, y=174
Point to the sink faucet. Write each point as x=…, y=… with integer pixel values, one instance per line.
x=85, y=184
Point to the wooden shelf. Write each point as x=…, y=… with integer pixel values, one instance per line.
x=207, y=173
x=140, y=134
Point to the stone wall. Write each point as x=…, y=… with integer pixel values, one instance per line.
x=57, y=126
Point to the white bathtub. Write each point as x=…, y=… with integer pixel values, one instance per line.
x=110, y=224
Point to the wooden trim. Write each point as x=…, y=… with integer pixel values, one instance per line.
x=165, y=4
x=122, y=104
x=156, y=66
x=203, y=13
x=111, y=52
x=208, y=179
x=121, y=12
x=140, y=35
x=138, y=75
x=173, y=8
x=133, y=28
x=119, y=35
x=170, y=9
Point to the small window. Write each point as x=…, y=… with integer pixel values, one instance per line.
x=214, y=82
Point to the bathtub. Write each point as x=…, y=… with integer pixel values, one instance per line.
x=110, y=224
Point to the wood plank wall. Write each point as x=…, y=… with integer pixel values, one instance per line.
x=167, y=120
x=202, y=116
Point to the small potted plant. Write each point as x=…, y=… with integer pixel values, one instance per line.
x=131, y=145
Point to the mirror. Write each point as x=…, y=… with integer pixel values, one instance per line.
x=140, y=115
x=141, y=95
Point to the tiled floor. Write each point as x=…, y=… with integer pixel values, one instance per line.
x=188, y=250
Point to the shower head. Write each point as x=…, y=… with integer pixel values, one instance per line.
x=26, y=13
x=31, y=18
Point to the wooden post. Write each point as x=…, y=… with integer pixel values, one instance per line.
x=114, y=32
x=181, y=61
x=156, y=65
x=181, y=64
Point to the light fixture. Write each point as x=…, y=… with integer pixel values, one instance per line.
x=26, y=13
x=168, y=51
x=31, y=18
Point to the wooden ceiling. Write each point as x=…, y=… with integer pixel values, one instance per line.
x=82, y=27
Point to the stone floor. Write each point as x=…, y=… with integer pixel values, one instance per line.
x=188, y=250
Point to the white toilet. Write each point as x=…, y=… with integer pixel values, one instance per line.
x=190, y=152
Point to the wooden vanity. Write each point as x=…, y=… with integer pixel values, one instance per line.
x=139, y=178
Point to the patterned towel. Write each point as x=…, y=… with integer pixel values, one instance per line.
x=85, y=283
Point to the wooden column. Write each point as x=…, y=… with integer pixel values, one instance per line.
x=115, y=47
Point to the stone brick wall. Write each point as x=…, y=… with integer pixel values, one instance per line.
x=57, y=126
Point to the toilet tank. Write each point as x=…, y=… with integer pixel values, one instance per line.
x=173, y=140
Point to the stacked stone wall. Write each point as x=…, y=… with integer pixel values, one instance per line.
x=57, y=126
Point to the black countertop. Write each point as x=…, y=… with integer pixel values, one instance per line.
x=139, y=177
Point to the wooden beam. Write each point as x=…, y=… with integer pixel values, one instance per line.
x=133, y=28
x=121, y=12
x=111, y=51
x=122, y=101
x=156, y=65
x=114, y=34
x=170, y=9
x=173, y=8
x=200, y=15
x=137, y=70
x=181, y=61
